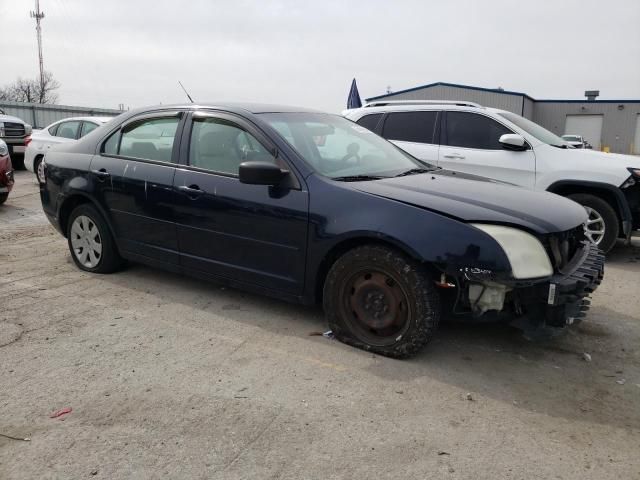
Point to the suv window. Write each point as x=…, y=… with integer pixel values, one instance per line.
x=370, y=121
x=471, y=130
x=87, y=127
x=150, y=139
x=410, y=126
x=68, y=129
x=221, y=146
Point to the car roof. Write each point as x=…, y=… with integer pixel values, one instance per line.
x=236, y=107
x=417, y=107
x=88, y=118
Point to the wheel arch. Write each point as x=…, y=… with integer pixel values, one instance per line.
x=71, y=202
x=347, y=244
x=609, y=193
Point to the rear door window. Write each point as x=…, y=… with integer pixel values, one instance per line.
x=472, y=130
x=418, y=127
x=150, y=139
x=68, y=130
x=370, y=121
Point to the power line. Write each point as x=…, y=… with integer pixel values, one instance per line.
x=39, y=15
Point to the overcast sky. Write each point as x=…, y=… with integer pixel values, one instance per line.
x=306, y=53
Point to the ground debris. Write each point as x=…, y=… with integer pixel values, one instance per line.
x=586, y=357
x=442, y=452
x=469, y=397
x=60, y=413
x=622, y=381
x=20, y=439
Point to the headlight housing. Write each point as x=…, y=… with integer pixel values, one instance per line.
x=526, y=254
x=4, y=150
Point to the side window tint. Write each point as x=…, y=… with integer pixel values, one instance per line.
x=87, y=127
x=68, y=130
x=110, y=147
x=221, y=146
x=471, y=130
x=370, y=121
x=54, y=129
x=410, y=126
x=150, y=139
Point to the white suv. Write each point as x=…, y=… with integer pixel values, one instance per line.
x=470, y=138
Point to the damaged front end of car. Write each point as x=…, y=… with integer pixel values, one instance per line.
x=547, y=289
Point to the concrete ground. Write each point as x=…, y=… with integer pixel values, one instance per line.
x=176, y=378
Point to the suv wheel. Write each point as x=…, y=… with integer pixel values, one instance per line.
x=3, y=197
x=379, y=300
x=90, y=241
x=602, y=226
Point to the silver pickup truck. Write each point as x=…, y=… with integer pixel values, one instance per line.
x=17, y=135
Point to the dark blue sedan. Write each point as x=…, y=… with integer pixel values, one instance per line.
x=310, y=207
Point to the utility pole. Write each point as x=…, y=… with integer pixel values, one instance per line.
x=38, y=15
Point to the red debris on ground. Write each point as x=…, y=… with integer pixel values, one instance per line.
x=59, y=413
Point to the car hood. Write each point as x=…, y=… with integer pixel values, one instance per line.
x=466, y=198
x=9, y=118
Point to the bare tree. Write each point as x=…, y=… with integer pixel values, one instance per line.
x=26, y=90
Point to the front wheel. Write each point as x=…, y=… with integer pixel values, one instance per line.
x=90, y=241
x=377, y=299
x=3, y=197
x=602, y=225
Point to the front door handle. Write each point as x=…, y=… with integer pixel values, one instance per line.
x=454, y=155
x=102, y=174
x=192, y=191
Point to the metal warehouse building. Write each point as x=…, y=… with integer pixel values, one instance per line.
x=609, y=125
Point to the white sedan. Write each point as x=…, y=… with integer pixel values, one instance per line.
x=62, y=131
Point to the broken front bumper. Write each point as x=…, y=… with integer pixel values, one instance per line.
x=563, y=300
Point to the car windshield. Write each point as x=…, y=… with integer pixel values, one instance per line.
x=535, y=130
x=340, y=149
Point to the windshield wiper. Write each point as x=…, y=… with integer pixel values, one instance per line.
x=357, y=178
x=414, y=171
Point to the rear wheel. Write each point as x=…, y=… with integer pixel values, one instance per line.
x=377, y=299
x=90, y=241
x=37, y=164
x=602, y=225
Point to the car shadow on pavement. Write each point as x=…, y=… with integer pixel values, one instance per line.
x=493, y=361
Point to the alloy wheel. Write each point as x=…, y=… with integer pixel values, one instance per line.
x=594, y=228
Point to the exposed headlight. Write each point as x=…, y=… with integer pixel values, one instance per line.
x=526, y=254
x=635, y=172
x=4, y=150
x=1, y=129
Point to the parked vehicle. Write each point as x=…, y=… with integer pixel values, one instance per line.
x=6, y=172
x=466, y=137
x=62, y=131
x=309, y=207
x=576, y=141
x=17, y=135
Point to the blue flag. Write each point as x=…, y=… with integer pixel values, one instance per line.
x=354, y=97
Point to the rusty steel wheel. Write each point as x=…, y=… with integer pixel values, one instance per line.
x=375, y=306
x=377, y=299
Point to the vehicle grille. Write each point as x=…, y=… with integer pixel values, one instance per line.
x=563, y=246
x=13, y=129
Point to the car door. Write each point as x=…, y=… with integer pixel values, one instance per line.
x=469, y=143
x=414, y=132
x=134, y=177
x=253, y=234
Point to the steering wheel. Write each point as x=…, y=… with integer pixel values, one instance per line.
x=352, y=152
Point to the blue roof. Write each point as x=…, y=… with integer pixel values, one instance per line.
x=494, y=90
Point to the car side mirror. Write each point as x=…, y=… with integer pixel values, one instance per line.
x=261, y=173
x=512, y=141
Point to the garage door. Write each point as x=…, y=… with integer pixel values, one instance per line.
x=636, y=145
x=589, y=126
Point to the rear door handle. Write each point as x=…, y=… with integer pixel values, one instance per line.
x=102, y=174
x=192, y=191
x=454, y=155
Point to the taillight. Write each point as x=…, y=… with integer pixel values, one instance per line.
x=27, y=141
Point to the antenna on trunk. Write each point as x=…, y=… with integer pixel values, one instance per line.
x=185, y=92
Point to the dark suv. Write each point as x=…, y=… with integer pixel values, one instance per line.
x=310, y=207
